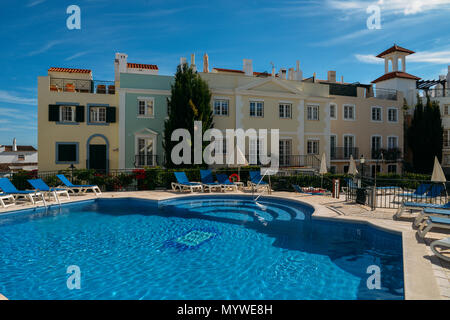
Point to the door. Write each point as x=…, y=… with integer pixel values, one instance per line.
x=349, y=145
x=97, y=157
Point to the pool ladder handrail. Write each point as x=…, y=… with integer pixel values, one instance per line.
x=256, y=187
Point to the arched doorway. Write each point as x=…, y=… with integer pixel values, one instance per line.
x=97, y=149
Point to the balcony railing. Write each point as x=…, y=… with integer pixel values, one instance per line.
x=286, y=161
x=390, y=154
x=437, y=93
x=379, y=93
x=82, y=85
x=343, y=153
x=145, y=160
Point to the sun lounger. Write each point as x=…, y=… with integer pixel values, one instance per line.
x=256, y=180
x=79, y=188
x=41, y=186
x=208, y=182
x=183, y=183
x=9, y=198
x=433, y=222
x=427, y=212
x=420, y=191
x=310, y=191
x=225, y=182
x=9, y=189
x=444, y=243
x=434, y=192
x=409, y=205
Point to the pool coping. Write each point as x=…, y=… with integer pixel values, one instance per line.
x=419, y=280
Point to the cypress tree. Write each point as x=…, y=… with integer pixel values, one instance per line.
x=190, y=101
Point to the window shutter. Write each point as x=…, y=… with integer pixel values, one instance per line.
x=79, y=116
x=53, y=112
x=111, y=114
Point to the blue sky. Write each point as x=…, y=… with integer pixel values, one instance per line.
x=323, y=35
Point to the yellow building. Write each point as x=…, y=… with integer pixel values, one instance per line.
x=77, y=121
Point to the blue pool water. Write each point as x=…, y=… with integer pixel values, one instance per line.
x=200, y=247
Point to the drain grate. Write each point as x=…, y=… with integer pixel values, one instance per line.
x=192, y=239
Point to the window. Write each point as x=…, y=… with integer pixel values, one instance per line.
x=446, y=159
x=67, y=114
x=313, y=112
x=145, y=152
x=21, y=157
x=254, y=149
x=145, y=107
x=256, y=109
x=313, y=147
x=66, y=152
x=221, y=107
x=392, y=142
x=392, y=115
x=97, y=114
x=223, y=150
x=376, y=114
x=285, y=146
x=349, y=146
x=446, y=109
x=285, y=110
x=333, y=146
x=349, y=112
x=333, y=111
x=446, y=139
x=392, y=168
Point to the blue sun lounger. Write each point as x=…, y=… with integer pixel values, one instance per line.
x=9, y=189
x=410, y=205
x=225, y=182
x=183, y=183
x=208, y=182
x=9, y=198
x=432, y=222
x=444, y=243
x=428, y=212
x=256, y=180
x=420, y=191
x=82, y=188
x=41, y=186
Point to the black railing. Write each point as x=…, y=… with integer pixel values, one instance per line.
x=286, y=161
x=343, y=153
x=343, y=89
x=145, y=160
x=82, y=85
x=380, y=93
x=390, y=154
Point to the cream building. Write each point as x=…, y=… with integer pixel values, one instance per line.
x=77, y=121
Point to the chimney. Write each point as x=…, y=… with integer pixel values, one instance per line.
x=282, y=74
x=248, y=67
x=14, y=146
x=342, y=79
x=183, y=60
x=331, y=76
x=298, y=75
x=205, y=63
x=193, y=62
x=273, y=70
x=314, y=77
x=120, y=65
x=291, y=74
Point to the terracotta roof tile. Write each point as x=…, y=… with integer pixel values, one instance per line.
x=395, y=74
x=142, y=66
x=20, y=148
x=393, y=49
x=228, y=70
x=69, y=70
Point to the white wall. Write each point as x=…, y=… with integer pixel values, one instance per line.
x=12, y=157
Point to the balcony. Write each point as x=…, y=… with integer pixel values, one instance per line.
x=379, y=93
x=82, y=85
x=291, y=161
x=343, y=153
x=438, y=93
x=145, y=160
x=390, y=154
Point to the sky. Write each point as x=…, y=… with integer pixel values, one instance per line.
x=323, y=35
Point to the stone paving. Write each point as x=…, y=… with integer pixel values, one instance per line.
x=426, y=276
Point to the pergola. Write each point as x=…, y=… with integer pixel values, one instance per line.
x=427, y=84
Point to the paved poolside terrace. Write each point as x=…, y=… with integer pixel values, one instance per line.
x=426, y=276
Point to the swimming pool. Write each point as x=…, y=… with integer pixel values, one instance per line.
x=196, y=247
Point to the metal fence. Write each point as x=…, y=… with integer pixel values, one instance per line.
x=391, y=193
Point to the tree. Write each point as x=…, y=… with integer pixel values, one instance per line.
x=190, y=101
x=425, y=135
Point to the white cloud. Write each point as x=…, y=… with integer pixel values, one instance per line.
x=35, y=3
x=5, y=96
x=368, y=58
x=76, y=55
x=45, y=48
x=436, y=57
x=405, y=7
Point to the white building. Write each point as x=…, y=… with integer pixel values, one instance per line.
x=14, y=157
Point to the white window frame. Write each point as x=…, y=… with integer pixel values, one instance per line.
x=444, y=144
x=335, y=111
x=285, y=106
x=285, y=156
x=313, y=140
x=343, y=111
x=390, y=165
x=446, y=110
x=396, y=111
x=256, y=104
x=221, y=102
x=396, y=137
x=345, y=135
x=381, y=114
x=145, y=137
x=315, y=110
x=371, y=141
x=61, y=113
x=94, y=114
x=146, y=100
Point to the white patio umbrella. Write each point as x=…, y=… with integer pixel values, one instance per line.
x=323, y=168
x=438, y=175
x=352, y=169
